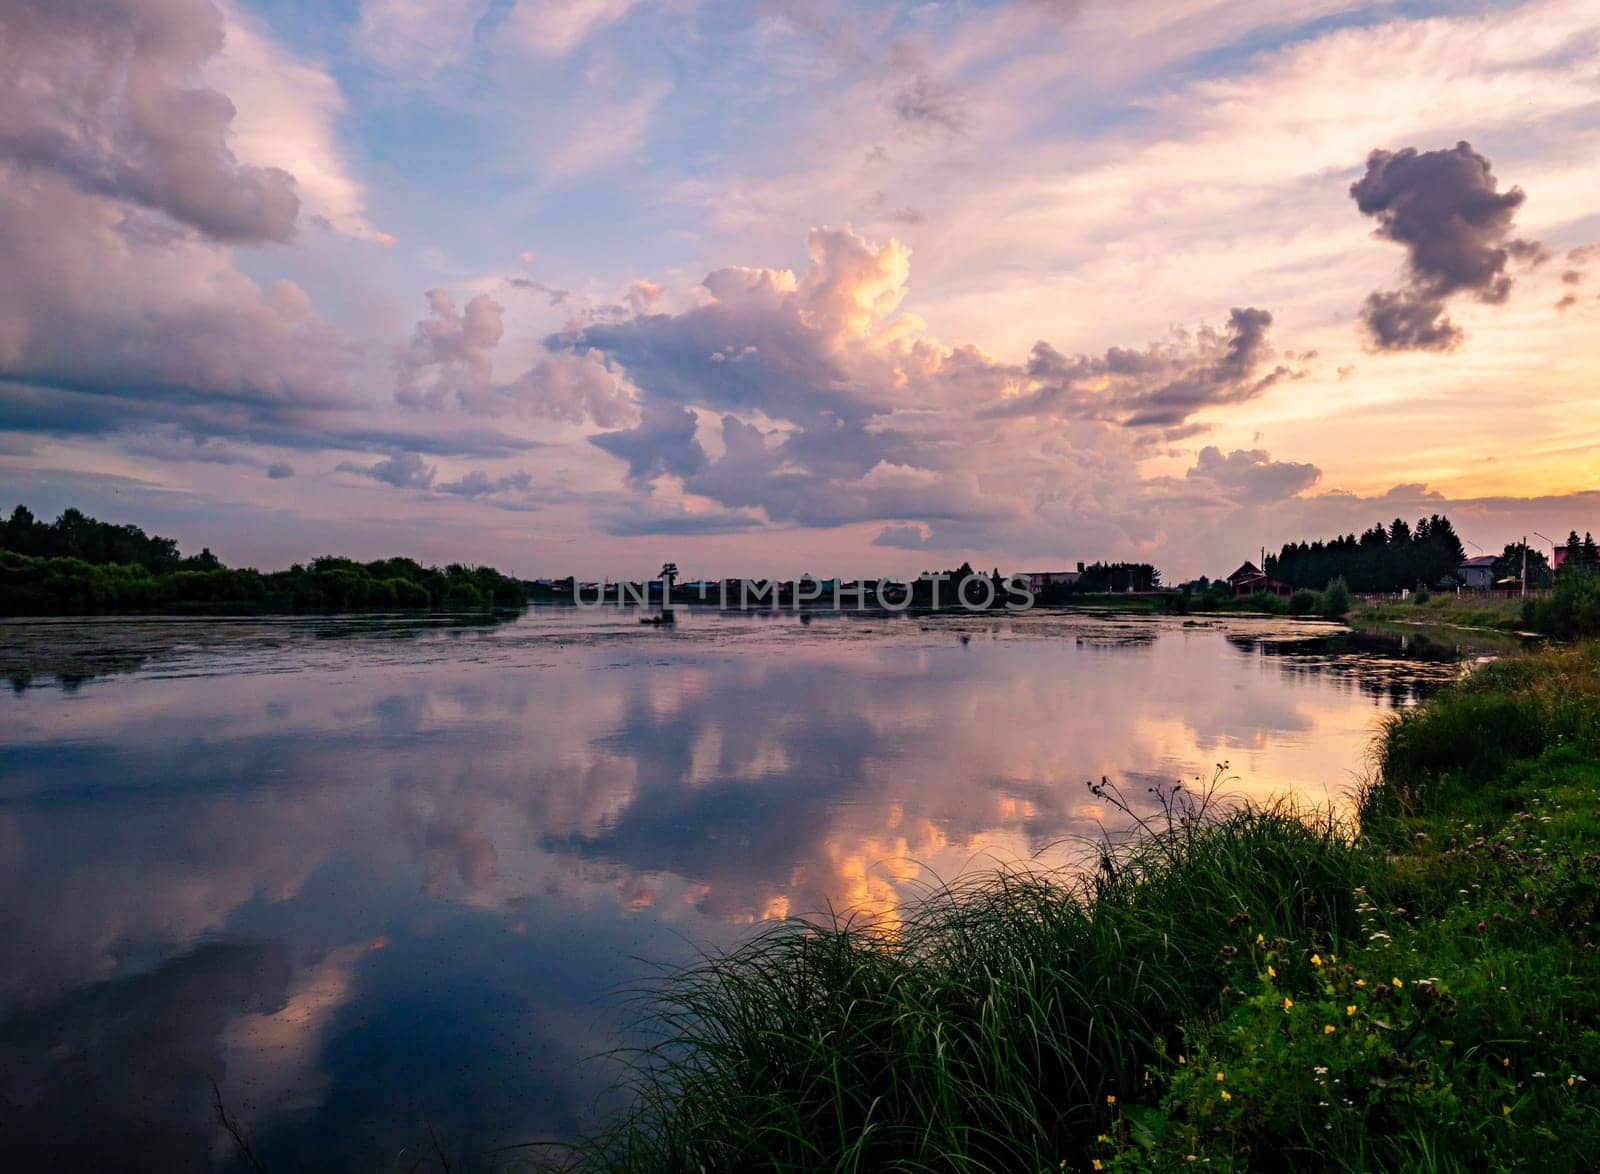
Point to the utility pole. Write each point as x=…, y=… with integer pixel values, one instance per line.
x=1552, y=543
x=1524, y=566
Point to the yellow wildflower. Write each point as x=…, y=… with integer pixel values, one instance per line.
x=1219, y=1078
x=1181, y=1060
x=1271, y=973
x=1505, y=1061
x=1111, y=1100
x=1398, y=984
x=1361, y=982
x=1226, y=1095
x=1261, y=940
x=1287, y=1003
x=1350, y=1010
x=1316, y=960
x=1328, y=1030
x=1097, y=1165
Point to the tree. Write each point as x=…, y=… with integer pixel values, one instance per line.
x=1509, y=564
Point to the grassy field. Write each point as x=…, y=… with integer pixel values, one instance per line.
x=1446, y=608
x=1258, y=989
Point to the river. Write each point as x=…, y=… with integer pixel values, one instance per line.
x=377, y=885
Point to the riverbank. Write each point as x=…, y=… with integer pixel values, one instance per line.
x=1260, y=989
x=1570, y=611
x=1445, y=609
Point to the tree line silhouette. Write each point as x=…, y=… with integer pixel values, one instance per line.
x=1396, y=557
x=78, y=565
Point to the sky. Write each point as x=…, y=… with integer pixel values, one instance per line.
x=773, y=287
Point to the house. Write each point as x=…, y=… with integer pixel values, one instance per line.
x=1477, y=574
x=1249, y=579
x=1039, y=580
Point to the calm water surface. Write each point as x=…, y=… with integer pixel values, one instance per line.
x=384, y=881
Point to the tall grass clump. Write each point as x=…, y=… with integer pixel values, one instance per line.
x=1506, y=712
x=996, y=1026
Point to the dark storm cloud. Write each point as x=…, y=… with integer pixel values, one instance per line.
x=1446, y=209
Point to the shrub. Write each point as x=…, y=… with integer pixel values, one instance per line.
x=1268, y=602
x=1335, y=598
x=1303, y=602
x=1571, y=610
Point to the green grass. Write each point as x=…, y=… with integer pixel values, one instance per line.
x=1446, y=608
x=1258, y=988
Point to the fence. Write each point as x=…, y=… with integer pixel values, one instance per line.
x=1462, y=592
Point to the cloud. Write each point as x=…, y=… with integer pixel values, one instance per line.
x=561, y=386
x=767, y=338
x=119, y=194
x=100, y=96
x=451, y=355
x=1162, y=386
x=417, y=38
x=479, y=484
x=603, y=132
x=650, y=520
x=642, y=295
x=450, y=363
x=285, y=111
x=1251, y=475
x=925, y=102
x=280, y=471
x=404, y=470
x=837, y=408
x=907, y=537
x=554, y=28
x=663, y=442
x=90, y=301
x=1446, y=209
x=555, y=297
